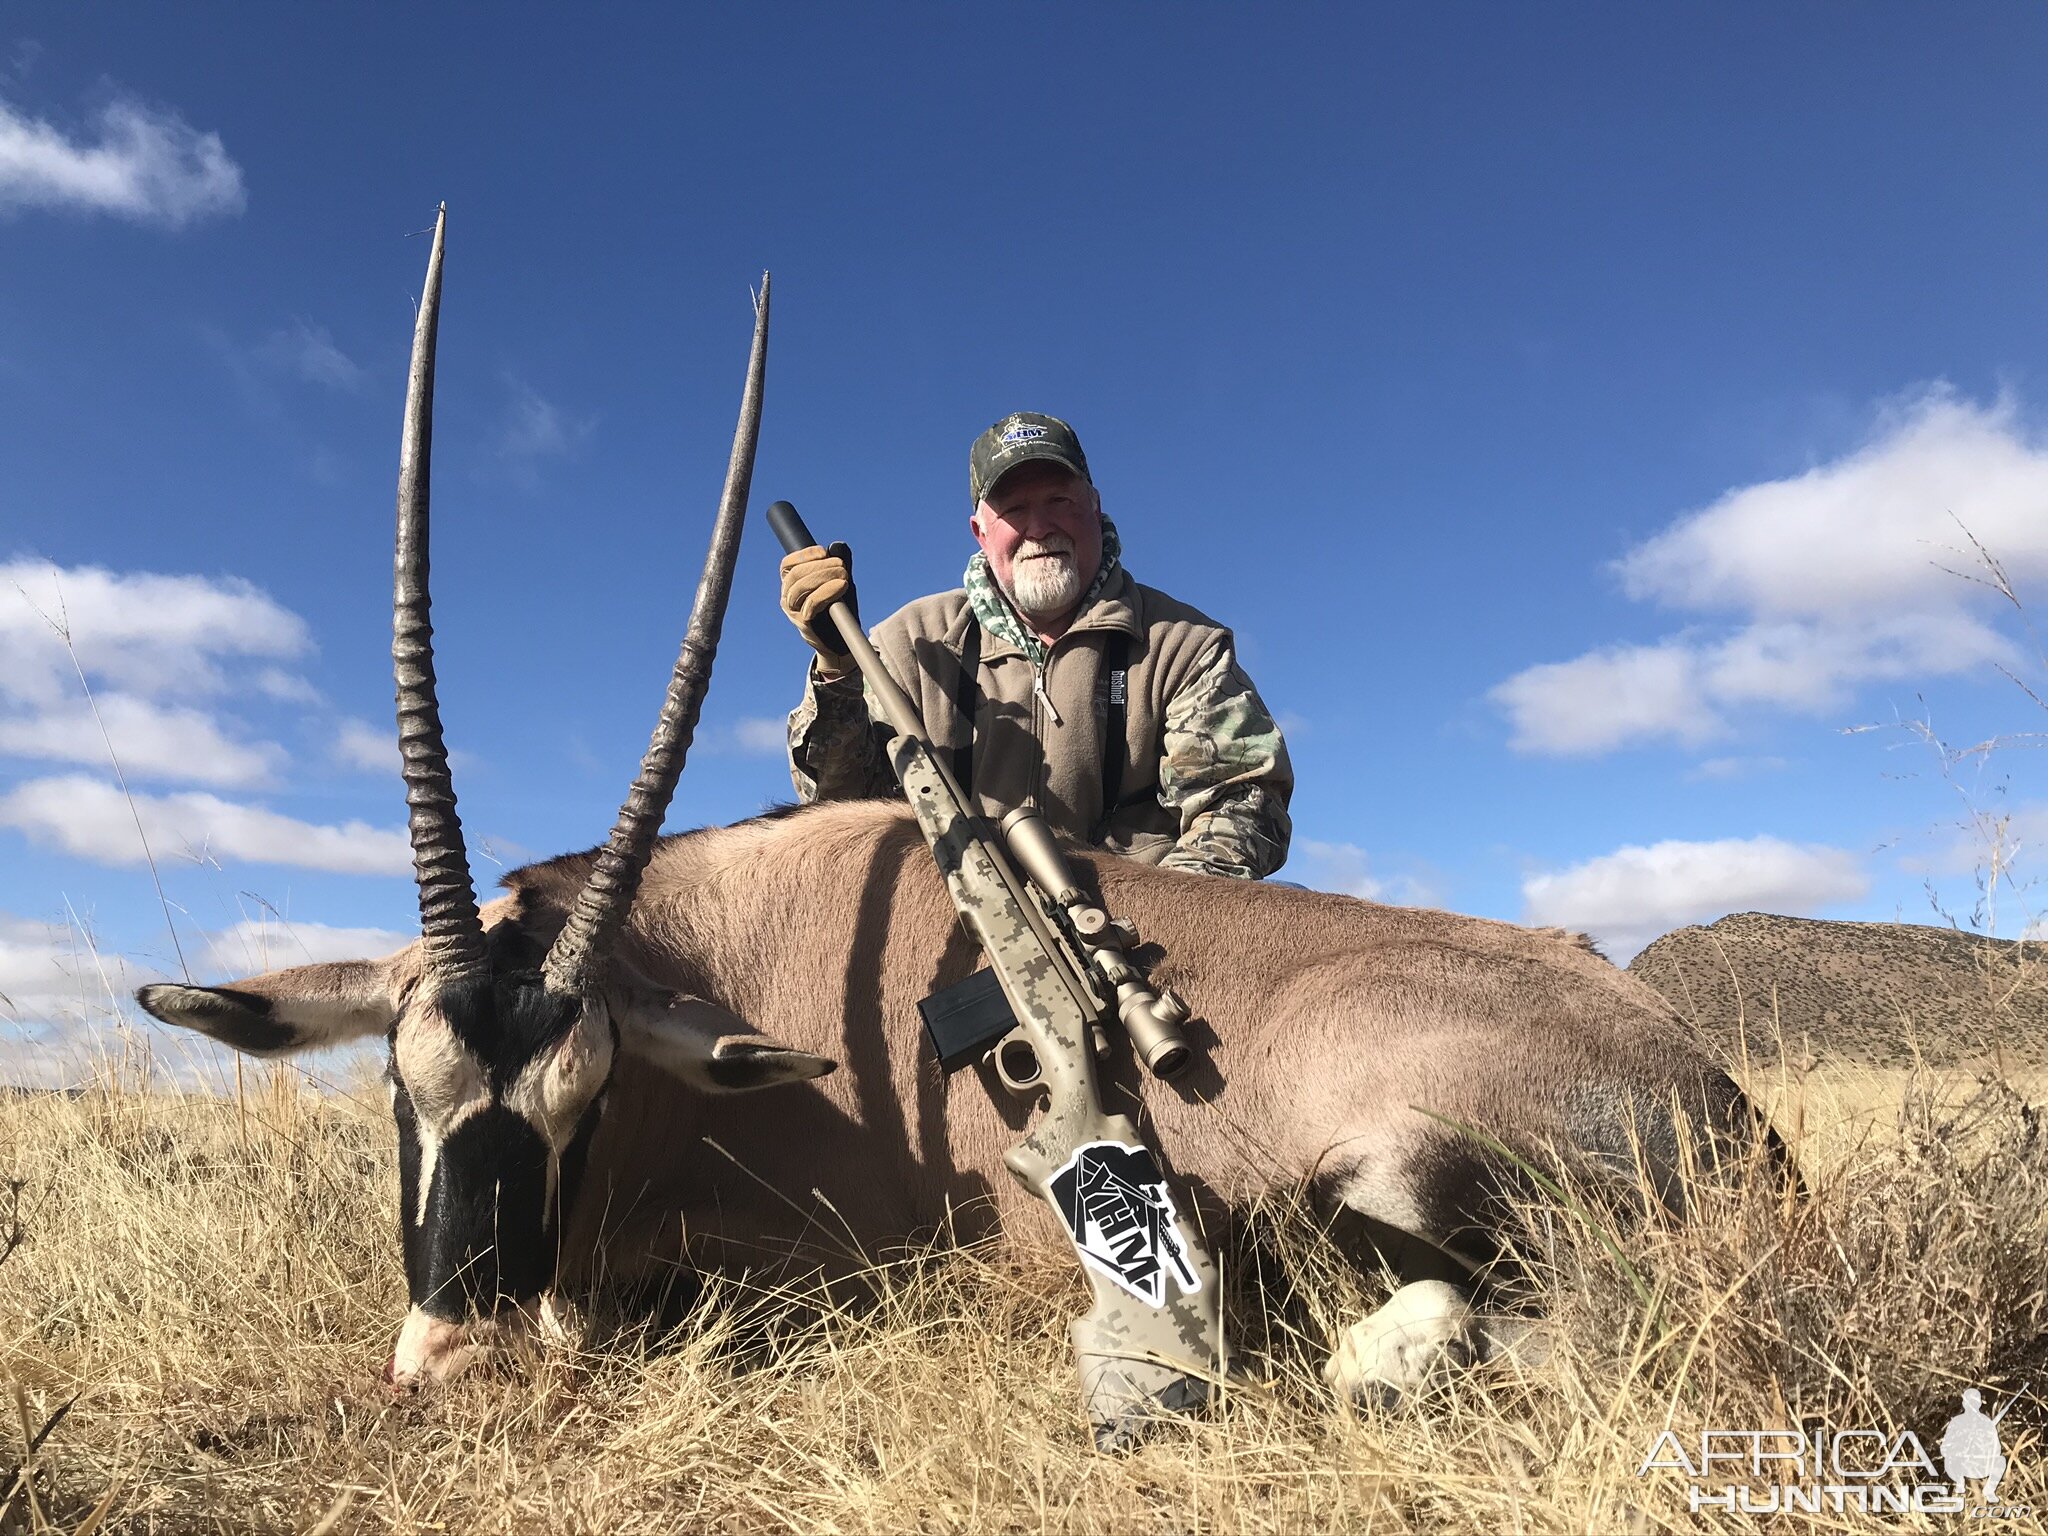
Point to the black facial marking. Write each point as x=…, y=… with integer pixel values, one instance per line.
x=408, y=1184
x=489, y=1233
x=575, y=1156
x=511, y=948
x=488, y=1226
x=508, y=1022
x=239, y=1019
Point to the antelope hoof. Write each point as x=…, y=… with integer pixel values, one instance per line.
x=1399, y=1352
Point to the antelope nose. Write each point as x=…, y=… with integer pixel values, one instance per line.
x=429, y=1349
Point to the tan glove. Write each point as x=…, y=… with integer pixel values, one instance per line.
x=813, y=579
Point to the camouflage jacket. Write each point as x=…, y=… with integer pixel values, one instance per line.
x=1205, y=778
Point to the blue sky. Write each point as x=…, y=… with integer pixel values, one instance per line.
x=1570, y=407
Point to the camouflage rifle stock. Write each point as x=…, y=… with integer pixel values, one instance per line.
x=1153, y=1340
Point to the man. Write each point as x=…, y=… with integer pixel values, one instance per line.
x=1053, y=680
x=1970, y=1448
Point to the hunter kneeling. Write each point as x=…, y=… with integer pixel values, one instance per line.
x=1052, y=680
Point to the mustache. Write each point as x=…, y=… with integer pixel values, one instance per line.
x=1052, y=544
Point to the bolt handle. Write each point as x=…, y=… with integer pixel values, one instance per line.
x=789, y=527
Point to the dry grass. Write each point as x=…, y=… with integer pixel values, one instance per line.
x=212, y=1288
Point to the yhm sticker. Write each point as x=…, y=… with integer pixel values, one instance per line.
x=1118, y=1211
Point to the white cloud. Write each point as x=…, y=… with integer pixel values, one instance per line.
x=1628, y=897
x=148, y=645
x=257, y=945
x=373, y=749
x=150, y=741
x=1729, y=768
x=66, y=1015
x=53, y=971
x=1821, y=583
x=146, y=634
x=761, y=736
x=285, y=687
x=1347, y=869
x=1608, y=699
x=91, y=819
x=748, y=736
x=308, y=353
x=1869, y=530
x=146, y=165
x=1992, y=833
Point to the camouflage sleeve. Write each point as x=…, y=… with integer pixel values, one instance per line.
x=1225, y=771
x=833, y=750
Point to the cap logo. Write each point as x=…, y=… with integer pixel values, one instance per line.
x=1023, y=432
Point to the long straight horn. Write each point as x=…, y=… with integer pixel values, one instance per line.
x=577, y=961
x=448, y=916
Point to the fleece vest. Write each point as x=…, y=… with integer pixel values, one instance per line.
x=1037, y=732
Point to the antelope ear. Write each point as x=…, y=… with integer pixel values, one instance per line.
x=284, y=1012
x=711, y=1049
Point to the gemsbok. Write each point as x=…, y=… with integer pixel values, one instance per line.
x=566, y=1063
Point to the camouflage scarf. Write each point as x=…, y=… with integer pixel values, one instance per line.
x=1000, y=618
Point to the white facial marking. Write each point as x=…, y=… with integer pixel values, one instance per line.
x=554, y=1089
x=428, y=1349
x=447, y=1085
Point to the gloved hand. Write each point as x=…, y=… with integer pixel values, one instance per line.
x=813, y=579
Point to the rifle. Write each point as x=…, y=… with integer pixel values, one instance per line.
x=1152, y=1343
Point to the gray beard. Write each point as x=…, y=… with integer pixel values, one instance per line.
x=1046, y=587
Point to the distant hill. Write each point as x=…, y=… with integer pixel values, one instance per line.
x=1863, y=992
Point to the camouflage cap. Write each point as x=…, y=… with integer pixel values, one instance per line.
x=1020, y=438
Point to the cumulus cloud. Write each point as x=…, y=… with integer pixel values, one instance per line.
x=146, y=634
x=1347, y=869
x=55, y=971
x=1799, y=591
x=257, y=945
x=148, y=645
x=748, y=736
x=370, y=748
x=1628, y=897
x=65, y=1010
x=151, y=741
x=2011, y=837
x=141, y=164
x=91, y=819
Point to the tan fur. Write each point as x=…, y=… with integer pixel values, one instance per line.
x=1324, y=1020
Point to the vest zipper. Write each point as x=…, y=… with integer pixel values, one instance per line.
x=1038, y=687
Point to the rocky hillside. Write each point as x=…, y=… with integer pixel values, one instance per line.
x=1866, y=992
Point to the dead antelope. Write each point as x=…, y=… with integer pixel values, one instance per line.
x=535, y=1141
